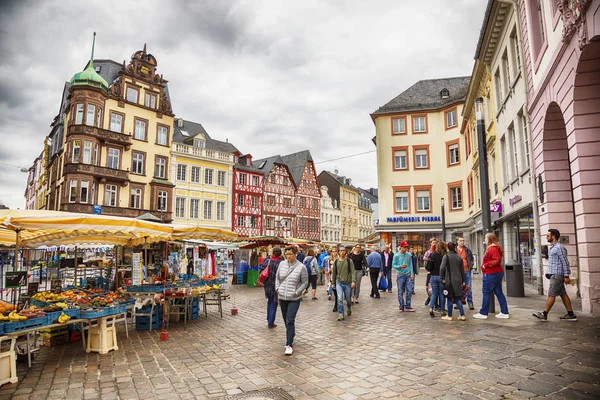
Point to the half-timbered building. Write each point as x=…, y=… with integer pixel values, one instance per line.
x=247, y=197
x=279, y=197
x=308, y=195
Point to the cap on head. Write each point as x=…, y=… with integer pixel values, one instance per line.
x=404, y=243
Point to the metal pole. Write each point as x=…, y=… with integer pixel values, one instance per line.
x=443, y=221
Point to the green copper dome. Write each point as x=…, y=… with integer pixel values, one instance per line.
x=89, y=76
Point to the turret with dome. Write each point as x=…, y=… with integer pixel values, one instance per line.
x=89, y=76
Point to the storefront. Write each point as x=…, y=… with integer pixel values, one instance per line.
x=518, y=240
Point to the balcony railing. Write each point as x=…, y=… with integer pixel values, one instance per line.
x=98, y=171
x=201, y=152
x=101, y=134
x=117, y=211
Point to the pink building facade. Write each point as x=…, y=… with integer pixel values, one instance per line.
x=561, y=40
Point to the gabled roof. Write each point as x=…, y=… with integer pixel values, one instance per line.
x=426, y=95
x=296, y=162
x=266, y=164
x=373, y=198
x=194, y=128
x=341, y=179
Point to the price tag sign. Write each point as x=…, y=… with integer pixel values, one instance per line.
x=56, y=286
x=15, y=279
x=136, y=274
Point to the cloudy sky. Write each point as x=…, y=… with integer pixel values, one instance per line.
x=271, y=76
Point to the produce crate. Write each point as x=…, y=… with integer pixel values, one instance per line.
x=74, y=313
x=145, y=324
x=74, y=336
x=56, y=331
x=17, y=326
x=49, y=341
x=94, y=313
x=37, y=303
x=2, y=327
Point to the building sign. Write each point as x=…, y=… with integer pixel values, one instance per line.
x=97, y=209
x=496, y=207
x=415, y=219
x=514, y=200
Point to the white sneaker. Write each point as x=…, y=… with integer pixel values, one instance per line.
x=503, y=316
x=288, y=350
x=479, y=316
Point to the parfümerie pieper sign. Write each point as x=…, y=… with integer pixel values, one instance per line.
x=15, y=279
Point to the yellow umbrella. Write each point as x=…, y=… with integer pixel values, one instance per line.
x=185, y=232
x=40, y=227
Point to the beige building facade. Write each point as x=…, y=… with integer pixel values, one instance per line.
x=421, y=163
x=330, y=218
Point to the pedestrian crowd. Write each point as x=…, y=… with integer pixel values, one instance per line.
x=449, y=269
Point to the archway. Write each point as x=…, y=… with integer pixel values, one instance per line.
x=557, y=211
x=584, y=141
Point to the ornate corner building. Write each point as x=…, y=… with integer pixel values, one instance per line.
x=109, y=147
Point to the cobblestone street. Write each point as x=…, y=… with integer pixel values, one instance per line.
x=376, y=353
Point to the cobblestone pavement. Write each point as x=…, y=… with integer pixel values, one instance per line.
x=376, y=353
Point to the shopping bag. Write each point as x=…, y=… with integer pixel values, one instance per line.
x=382, y=283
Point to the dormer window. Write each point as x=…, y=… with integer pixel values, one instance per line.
x=248, y=161
x=199, y=143
x=98, y=68
x=445, y=93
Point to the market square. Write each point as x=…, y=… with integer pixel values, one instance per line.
x=299, y=200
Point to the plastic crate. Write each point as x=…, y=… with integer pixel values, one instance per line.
x=74, y=313
x=147, y=325
x=17, y=326
x=37, y=303
x=2, y=327
x=74, y=336
x=94, y=313
x=55, y=340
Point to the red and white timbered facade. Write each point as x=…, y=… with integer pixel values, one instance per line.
x=309, y=204
x=247, y=202
x=279, y=202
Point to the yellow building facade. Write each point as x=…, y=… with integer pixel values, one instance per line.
x=480, y=86
x=349, y=209
x=422, y=163
x=202, y=170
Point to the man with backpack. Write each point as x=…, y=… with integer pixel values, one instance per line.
x=343, y=280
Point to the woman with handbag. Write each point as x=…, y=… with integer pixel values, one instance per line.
x=271, y=265
x=433, y=266
x=452, y=274
x=291, y=279
x=331, y=261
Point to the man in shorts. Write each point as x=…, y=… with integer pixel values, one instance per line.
x=558, y=273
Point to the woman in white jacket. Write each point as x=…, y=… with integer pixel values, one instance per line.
x=291, y=280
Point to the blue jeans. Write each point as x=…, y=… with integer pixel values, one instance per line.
x=405, y=284
x=437, y=292
x=492, y=283
x=344, y=290
x=289, y=309
x=271, y=310
x=456, y=301
x=388, y=278
x=468, y=280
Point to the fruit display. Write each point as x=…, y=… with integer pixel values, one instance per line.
x=4, y=307
x=63, y=318
x=48, y=296
x=31, y=314
x=209, y=277
x=53, y=308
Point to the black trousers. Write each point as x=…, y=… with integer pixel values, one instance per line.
x=374, y=274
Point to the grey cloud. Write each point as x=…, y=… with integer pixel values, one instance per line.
x=271, y=76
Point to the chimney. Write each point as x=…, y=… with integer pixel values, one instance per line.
x=226, y=140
